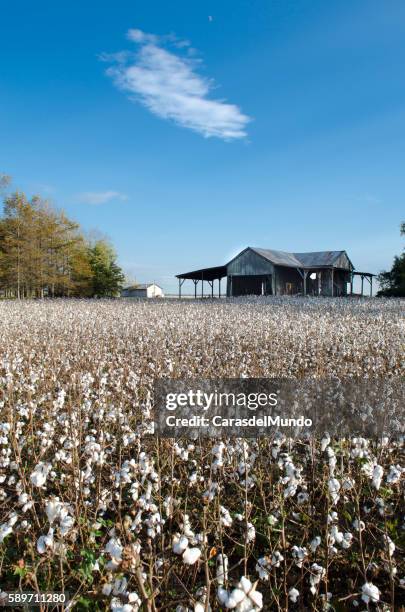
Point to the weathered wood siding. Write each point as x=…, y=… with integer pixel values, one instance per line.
x=249, y=263
x=342, y=262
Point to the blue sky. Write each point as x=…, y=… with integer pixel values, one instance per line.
x=189, y=130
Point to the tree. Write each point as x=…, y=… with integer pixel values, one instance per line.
x=108, y=278
x=44, y=253
x=16, y=246
x=392, y=283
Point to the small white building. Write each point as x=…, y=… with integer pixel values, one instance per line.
x=149, y=290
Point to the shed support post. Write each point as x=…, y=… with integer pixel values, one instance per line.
x=371, y=286
x=351, y=283
x=332, y=284
x=362, y=282
x=202, y=285
x=219, y=287
x=195, y=288
x=303, y=275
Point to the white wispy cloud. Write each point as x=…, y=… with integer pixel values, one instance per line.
x=100, y=197
x=162, y=76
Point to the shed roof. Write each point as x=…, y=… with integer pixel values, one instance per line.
x=205, y=273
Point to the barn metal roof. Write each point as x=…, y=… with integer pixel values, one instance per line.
x=299, y=260
x=280, y=258
x=319, y=258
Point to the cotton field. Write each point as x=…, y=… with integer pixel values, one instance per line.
x=92, y=503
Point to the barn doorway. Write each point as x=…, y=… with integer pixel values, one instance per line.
x=255, y=284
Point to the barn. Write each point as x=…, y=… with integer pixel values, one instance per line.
x=149, y=290
x=257, y=271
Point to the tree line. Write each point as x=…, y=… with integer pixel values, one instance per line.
x=392, y=283
x=43, y=253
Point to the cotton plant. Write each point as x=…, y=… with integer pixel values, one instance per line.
x=334, y=488
x=317, y=572
x=80, y=470
x=293, y=595
x=190, y=554
x=265, y=564
x=40, y=474
x=299, y=554
x=370, y=593
x=243, y=598
x=7, y=528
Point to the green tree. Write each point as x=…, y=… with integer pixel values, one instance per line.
x=44, y=253
x=108, y=278
x=16, y=245
x=392, y=283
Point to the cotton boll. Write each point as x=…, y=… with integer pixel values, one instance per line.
x=315, y=543
x=235, y=598
x=222, y=595
x=120, y=586
x=225, y=517
x=394, y=474
x=180, y=544
x=276, y=558
x=299, y=554
x=377, y=476
x=389, y=544
x=222, y=569
x=13, y=519
x=334, y=487
x=347, y=540
x=370, y=593
x=107, y=588
x=116, y=605
x=257, y=599
x=5, y=530
x=191, y=555
x=134, y=599
x=45, y=542
x=52, y=509
x=262, y=567
x=114, y=548
x=335, y=535
x=66, y=522
x=40, y=474
x=251, y=532
x=317, y=573
x=325, y=442
x=293, y=595
x=359, y=525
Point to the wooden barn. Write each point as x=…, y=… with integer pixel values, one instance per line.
x=257, y=271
